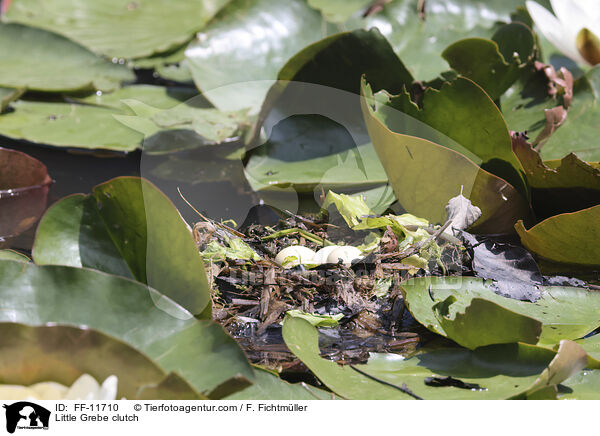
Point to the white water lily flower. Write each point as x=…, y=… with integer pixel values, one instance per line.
x=84, y=388
x=575, y=30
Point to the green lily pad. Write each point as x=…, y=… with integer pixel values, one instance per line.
x=198, y=350
x=156, y=96
x=477, y=326
x=356, y=53
x=425, y=176
x=584, y=385
x=310, y=83
x=170, y=65
x=419, y=42
x=216, y=62
x=592, y=346
x=339, y=11
x=63, y=353
x=186, y=126
x=565, y=238
x=524, y=103
x=566, y=185
x=328, y=148
x=106, y=26
x=196, y=170
x=491, y=63
x=129, y=228
x=43, y=61
x=496, y=372
x=459, y=116
x=568, y=172
x=307, y=151
x=92, y=124
x=312, y=102
x=13, y=255
x=501, y=371
x=579, y=133
x=245, y=46
x=68, y=125
x=268, y=386
x=564, y=312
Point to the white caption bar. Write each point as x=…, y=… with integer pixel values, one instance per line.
x=288, y=418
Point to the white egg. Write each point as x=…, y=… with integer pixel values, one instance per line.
x=294, y=255
x=347, y=254
x=323, y=253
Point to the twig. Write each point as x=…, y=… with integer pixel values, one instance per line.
x=242, y=302
x=306, y=234
x=223, y=226
x=402, y=388
x=309, y=222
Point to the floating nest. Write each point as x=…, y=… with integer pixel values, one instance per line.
x=253, y=293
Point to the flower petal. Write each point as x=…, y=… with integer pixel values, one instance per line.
x=591, y=12
x=554, y=31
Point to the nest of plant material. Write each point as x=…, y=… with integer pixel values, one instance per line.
x=363, y=302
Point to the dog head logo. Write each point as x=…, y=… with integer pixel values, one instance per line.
x=26, y=415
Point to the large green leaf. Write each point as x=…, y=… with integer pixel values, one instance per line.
x=68, y=125
x=419, y=42
x=459, y=116
x=198, y=350
x=564, y=312
x=63, y=353
x=156, y=96
x=356, y=53
x=183, y=127
x=485, y=323
x=170, y=65
x=592, y=346
x=425, y=176
x=579, y=133
x=245, y=46
x=503, y=371
x=43, y=61
x=566, y=238
x=310, y=82
x=316, y=133
x=126, y=227
x=307, y=151
x=494, y=64
x=338, y=11
x=119, y=28
x=566, y=185
x=496, y=372
x=274, y=31
x=523, y=107
x=584, y=385
x=302, y=340
x=90, y=125
x=268, y=386
x=13, y=255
